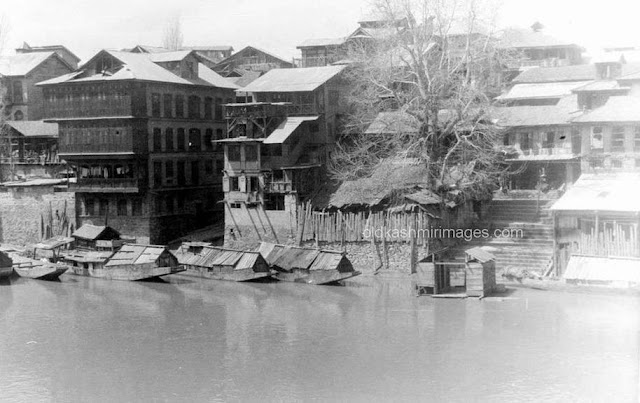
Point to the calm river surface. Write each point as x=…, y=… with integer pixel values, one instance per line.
x=88, y=340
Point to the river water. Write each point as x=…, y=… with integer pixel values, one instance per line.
x=191, y=340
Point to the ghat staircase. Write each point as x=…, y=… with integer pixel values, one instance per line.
x=533, y=250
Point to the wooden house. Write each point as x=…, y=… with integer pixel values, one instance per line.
x=139, y=262
x=252, y=59
x=18, y=77
x=139, y=130
x=96, y=237
x=68, y=56
x=277, y=144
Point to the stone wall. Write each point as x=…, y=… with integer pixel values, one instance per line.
x=22, y=210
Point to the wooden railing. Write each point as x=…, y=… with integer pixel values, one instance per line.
x=100, y=184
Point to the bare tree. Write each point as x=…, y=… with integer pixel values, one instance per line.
x=172, y=36
x=433, y=69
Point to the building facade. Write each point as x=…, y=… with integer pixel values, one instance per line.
x=140, y=134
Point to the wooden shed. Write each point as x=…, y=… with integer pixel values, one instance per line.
x=480, y=272
x=139, y=262
x=91, y=236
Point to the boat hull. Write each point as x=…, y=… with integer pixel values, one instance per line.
x=225, y=274
x=317, y=277
x=46, y=272
x=5, y=272
x=126, y=273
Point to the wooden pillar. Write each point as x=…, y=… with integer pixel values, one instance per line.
x=556, y=266
x=235, y=224
x=255, y=227
x=302, y=214
x=597, y=231
x=269, y=222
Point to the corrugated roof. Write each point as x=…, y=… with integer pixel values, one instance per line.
x=286, y=128
x=599, y=268
x=293, y=80
x=315, y=42
x=560, y=114
x=602, y=192
x=136, y=254
x=528, y=38
x=34, y=128
x=541, y=90
x=22, y=64
x=617, y=109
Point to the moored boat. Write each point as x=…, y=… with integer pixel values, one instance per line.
x=6, y=265
x=131, y=262
x=38, y=269
x=307, y=265
x=206, y=261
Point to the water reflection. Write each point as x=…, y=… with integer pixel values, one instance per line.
x=188, y=339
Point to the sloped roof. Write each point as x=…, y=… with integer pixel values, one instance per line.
x=541, y=90
x=316, y=42
x=600, y=85
x=424, y=196
x=389, y=176
x=34, y=128
x=579, y=72
x=136, y=254
x=215, y=79
x=239, y=53
x=528, y=38
x=86, y=256
x=602, y=268
x=286, y=128
x=293, y=80
x=246, y=77
x=393, y=122
x=47, y=48
x=293, y=257
x=91, y=232
x=22, y=64
x=150, y=49
x=617, y=192
x=479, y=254
x=219, y=48
x=617, y=109
x=53, y=243
x=561, y=113
x=169, y=56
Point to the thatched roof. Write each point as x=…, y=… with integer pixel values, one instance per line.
x=388, y=177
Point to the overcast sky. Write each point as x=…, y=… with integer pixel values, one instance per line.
x=278, y=25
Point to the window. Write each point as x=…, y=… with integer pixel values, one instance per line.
x=208, y=167
x=18, y=115
x=157, y=174
x=195, y=173
x=179, y=106
x=636, y=138
x=180, y=142
x=274, y=202
x=136, y=207
x=616, y=163
x=234, y=184
x=168, y=137
x=169, y=170
x=525, y=142
x=233, y=153
x=157, y=139
x=218, y=109
x=194, y=107
x=103, y=207
x=208, y=108
x=617, y=138
x=596, y=138
x=208, y=140
x=89, y=205
x=195, y=141
x=250, y=153
x=17, y=92
x=167, y=105
x=220, y=136
x=181, y=175
x=155, y=105
x=253, y=184
x=549, y=139
x=122, y=207
x=505, y=139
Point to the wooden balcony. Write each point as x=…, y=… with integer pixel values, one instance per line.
x=279, y=187
x=263, y=110
x=100, y=185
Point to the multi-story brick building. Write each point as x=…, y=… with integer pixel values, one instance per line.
x=139, y=129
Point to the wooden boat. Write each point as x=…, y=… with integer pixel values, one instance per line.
x=307, y=265
x=204, y=260
x=38, y=269
x=131, y=262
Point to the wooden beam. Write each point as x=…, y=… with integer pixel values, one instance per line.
x=246, y=209
x=235, y=224
x=275, y=236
